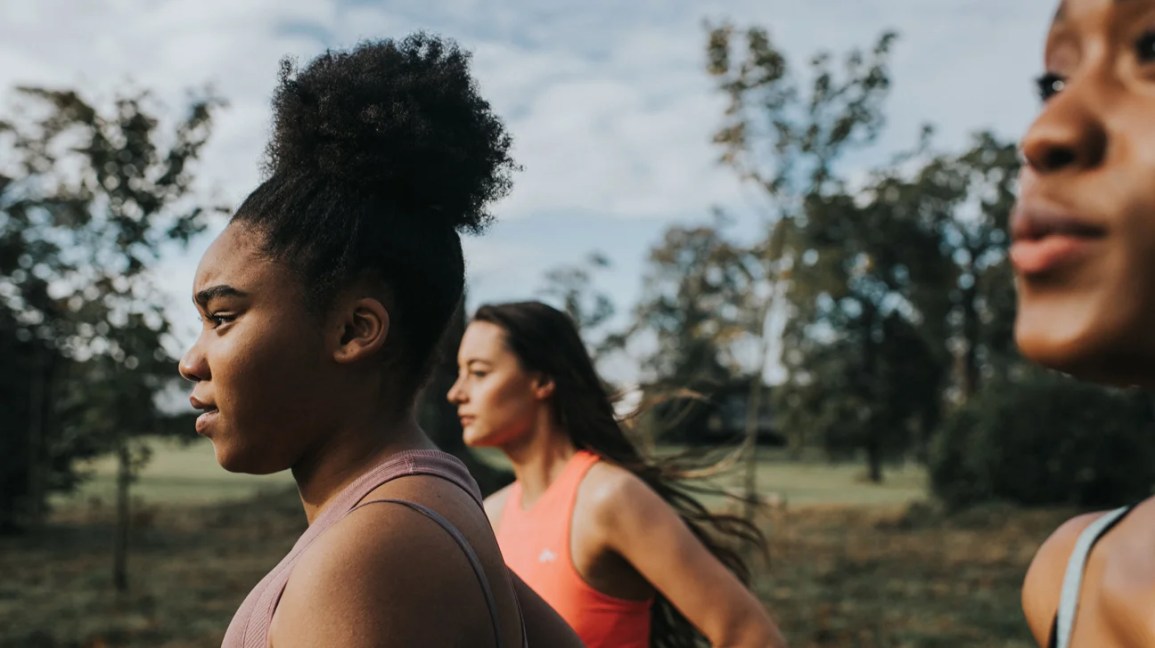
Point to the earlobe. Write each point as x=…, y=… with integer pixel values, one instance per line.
x=544, y=387
x=364, y=329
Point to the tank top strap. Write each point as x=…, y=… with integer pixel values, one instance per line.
x=474, y=562
x=1064, y=623
x=575, y=472
x=403, y=464
x=251, y=623
x=558, y=497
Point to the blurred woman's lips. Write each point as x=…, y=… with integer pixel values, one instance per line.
x=1045, y=238
x=466, y=419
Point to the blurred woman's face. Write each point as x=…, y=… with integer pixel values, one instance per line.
x=497, y=400
x=259, y=363
x=1084, y=228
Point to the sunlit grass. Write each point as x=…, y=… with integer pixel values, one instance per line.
x=176, y=473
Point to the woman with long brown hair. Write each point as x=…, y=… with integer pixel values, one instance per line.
x=612, y=540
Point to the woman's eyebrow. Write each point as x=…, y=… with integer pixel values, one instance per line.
x=203, y=297
x=1061, y=14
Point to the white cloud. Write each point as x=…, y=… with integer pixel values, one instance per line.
x=609, y=103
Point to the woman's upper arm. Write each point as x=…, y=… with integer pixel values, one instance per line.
x=642, y=528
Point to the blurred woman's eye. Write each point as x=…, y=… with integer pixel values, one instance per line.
x=1145, y=47
x=1049, y=85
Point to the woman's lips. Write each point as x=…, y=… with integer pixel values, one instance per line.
x=205, y=420
x=1037, y=256
x=1046, y=238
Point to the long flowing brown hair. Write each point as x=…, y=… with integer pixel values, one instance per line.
x=545, y=339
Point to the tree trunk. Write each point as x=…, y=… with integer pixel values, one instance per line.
x=874, y=421
x=753, y=406
x=971, y=331
x=120, y=541
x=874, y=457
x=36, y=459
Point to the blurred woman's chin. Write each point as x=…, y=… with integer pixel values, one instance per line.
x=1092, y=354
x=1050, y=347
x=475, y=440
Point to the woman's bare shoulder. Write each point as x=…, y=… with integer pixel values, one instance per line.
x=610, y=492
x=380, y=576
x=1044, y=580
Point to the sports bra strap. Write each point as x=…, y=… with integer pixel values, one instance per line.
x=1073, y=579
x=474, y=562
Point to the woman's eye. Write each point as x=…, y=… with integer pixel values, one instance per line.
x=1145, y=47
x=218, y=319
x=1049, y=85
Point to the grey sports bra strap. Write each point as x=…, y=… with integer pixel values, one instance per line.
x=474, y=562
x=1073, y=579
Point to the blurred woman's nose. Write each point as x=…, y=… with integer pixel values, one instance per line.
x=193, y=365
x=1068, y=134
x=456, y=394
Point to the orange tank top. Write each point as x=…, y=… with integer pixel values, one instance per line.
x=536, y=545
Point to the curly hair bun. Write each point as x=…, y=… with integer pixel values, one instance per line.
x=400, y=120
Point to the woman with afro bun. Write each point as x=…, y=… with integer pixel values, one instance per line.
x=323, y=301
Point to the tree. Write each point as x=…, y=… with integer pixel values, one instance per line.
x=855, y=332
x=787, y=142
x=696, y=306
x=970, y=198
x=1037, y=438
x=572, y=287
x=95, y=195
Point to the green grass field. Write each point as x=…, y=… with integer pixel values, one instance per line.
x=852, y=564
x=177, y=473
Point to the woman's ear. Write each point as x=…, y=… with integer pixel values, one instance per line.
x=543, y=387
x=362, y=328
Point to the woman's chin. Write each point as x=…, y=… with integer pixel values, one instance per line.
x=475, y=441
x=1095, y=356
x=235, y=461
x=228, y=460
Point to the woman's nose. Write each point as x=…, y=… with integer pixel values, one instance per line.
x=193, y=365
x=1068, y=134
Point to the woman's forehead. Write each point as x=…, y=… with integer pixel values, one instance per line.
x=483, y=335
x=233, y=259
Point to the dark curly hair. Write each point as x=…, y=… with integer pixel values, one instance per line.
x=546, y=340
x=378, y=157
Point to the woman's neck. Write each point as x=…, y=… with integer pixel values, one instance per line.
x=539, y=459
x=348, y=453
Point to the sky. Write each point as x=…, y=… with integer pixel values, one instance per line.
x=608, y=101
